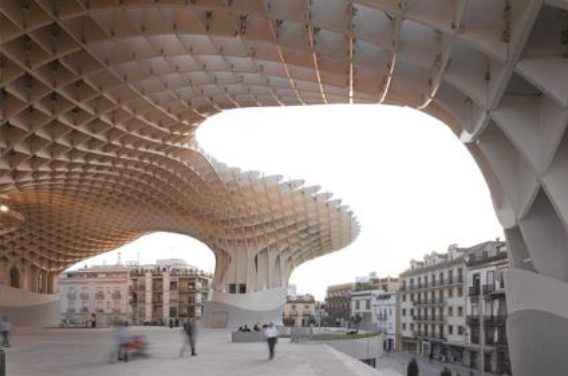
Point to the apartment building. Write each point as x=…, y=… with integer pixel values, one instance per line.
x=384, y=306
x=487, y=311
x=338, y=304
x=168, y=290
x=433, y=305
x=94, y=296
x=299, y=310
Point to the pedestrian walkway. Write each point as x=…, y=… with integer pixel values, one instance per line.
x=398, y=361
x=85, y=352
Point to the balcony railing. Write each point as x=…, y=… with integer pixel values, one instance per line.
x=439, y=336
x=472, y=320
x=430, y=302
x=497, y=320
x=100, y=295
x=474, y=291
x=429, y=318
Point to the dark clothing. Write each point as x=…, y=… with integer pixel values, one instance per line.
x=6, y=338
x=190, y=332
x=271, y=345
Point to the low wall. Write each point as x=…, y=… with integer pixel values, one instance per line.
x=362, y=348
x=234, y=310
x=25, y=308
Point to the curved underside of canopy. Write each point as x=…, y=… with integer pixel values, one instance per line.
x=101, y=100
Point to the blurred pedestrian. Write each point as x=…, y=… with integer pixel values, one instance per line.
x=120, y=348
x=190, y=334
x=5, y=330
x=271, y=334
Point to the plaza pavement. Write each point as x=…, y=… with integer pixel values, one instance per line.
x=85, y=352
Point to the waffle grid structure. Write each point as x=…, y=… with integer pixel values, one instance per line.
x=101, y=100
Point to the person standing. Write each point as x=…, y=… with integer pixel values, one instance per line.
x=271, y=334
x=190, y=331
x=5, y=329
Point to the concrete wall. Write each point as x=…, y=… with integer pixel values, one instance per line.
x=25, y=308
x=363, y=348
x=537, y=325
x=234, y=310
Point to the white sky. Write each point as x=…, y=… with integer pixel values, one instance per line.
x=412, y=184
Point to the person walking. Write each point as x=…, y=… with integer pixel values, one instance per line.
x=190, y=331
x=5, y=329
x=120, y=349
x=271, y=334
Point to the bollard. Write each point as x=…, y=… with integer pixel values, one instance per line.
x=2, y=363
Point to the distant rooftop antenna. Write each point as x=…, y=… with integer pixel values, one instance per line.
x=119, y=262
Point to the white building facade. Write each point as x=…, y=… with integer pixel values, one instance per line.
x=95, y=296
x=386, y=316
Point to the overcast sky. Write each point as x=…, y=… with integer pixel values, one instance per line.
x=412, y=184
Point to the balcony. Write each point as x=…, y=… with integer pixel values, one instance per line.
x=84, y=296
x=71, y=296
x=498, y=320
x=488, y=289
x=472, y=320
x=429, y=318
x=474, y=291
x=430, y=302
x=100, y=295
x=116, y=295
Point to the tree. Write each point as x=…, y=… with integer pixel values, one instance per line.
x=446, y=372
x=412, y=369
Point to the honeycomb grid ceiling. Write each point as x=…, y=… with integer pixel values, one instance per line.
x=101, y=100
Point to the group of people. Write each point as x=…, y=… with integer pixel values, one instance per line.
x=127, y=346
x=270, y=333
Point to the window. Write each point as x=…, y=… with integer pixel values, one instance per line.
x=411, y=311
x=460, y=292
x=404, y=312
x=450, y=311
x=403, y=326
x=450, y=329
x=404, y=297
x=232, y=288
x=411, y=326
x=460, y=311
x=461, y=330
x=367, y=304
x=450, y=293
x=490, y=278
x=242, y=288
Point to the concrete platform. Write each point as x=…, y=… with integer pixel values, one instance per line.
x=85, y=352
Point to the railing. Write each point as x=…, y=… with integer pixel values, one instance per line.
x=84, y=296
x=71, y=296
x=497, y=320
x=100, y=295
x=488, y=289
x=436, y=301
x=116, y=295
x=472, y=320
x=474, y=291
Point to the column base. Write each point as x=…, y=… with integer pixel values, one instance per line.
x=234, y=310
